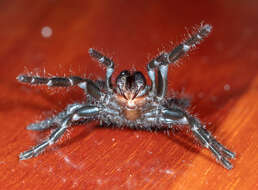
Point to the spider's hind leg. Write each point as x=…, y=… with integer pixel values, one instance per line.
x=177, y=115
x=42, y=125
x=221, y=153
x=55, y=120
x=85, y=112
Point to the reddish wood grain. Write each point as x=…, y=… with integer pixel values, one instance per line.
x=220, y=77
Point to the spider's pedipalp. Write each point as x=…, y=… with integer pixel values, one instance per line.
x=105, y=61
x=101, y=58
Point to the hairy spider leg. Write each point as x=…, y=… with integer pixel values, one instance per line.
x=55, y=120
x=52, y=81
x=101, y=105
x=85, y=112
x=202, y=135
x=176, y=116
x=88, y=85
x=208, y=141
x=183, y=103
x=161, y=62
x=107, y=62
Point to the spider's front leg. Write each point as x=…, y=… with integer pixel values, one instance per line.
x=174, y=116
x=52, y=81
x=164, y=59
x=85, y=112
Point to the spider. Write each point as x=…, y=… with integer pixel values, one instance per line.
x=131, y=102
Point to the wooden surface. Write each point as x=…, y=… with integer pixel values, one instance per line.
x=220, y=77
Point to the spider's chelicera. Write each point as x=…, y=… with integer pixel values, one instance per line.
x=130, y=102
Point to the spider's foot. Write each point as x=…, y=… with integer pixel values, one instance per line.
x=41, y=125
x=224, y=151
x=226, y=163
x=24, y=78
x=26, y=155
x=229, y=154
x=35, y=151
x=29, y=154
x=222, y=154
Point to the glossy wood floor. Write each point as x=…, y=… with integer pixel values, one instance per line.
x=49, y=37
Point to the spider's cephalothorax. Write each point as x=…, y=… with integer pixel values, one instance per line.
x=130, y=102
